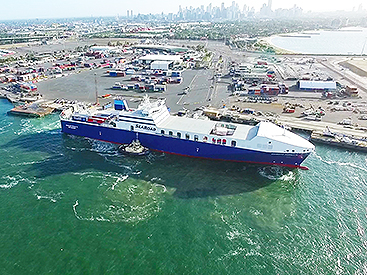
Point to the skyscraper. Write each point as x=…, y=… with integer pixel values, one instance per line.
x=209, y=8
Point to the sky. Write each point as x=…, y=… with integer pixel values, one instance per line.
x=31, y=9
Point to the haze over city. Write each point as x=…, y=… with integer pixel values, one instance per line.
x=85, y=8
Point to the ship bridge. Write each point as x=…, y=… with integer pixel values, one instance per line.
x=146, y=116
x=157, y=111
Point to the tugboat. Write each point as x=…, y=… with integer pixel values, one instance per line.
x=134, y=148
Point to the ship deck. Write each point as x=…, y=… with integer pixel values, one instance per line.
x=204, y=127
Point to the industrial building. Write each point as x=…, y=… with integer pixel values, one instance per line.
x=104, y=49
x=156, y=61
x=316, y=85
x=161, y=48
x=161, y=65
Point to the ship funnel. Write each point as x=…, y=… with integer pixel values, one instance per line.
x=121, y=104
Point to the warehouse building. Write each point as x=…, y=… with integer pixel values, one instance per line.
x=161, y=65
x=316, y=85
x=160, y=61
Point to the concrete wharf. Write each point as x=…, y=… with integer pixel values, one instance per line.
x=311, y=126
x=32, y=110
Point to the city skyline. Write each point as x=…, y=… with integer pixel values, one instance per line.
x=67, y=9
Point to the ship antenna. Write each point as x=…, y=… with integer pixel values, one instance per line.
x=95, y=84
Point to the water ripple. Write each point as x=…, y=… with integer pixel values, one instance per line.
x=331, y=162
x=276, y=173
x=11, y=181
x=122, y=199
x=51, y=196
x=36, y=126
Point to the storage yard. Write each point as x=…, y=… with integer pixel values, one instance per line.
x=302, y=92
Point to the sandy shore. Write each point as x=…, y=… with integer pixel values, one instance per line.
x=267, y=41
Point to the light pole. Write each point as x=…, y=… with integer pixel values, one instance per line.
x=95, y=84
x=363, y=46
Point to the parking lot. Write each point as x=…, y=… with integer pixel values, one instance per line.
x=194, y=91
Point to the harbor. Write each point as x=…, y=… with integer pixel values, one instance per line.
x=210, y=175
x=185, y=95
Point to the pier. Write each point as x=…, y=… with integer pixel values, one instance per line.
x=344, y=136
x=311, y=126
x=33, y=110
x=340, y=140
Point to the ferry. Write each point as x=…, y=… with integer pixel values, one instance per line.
x=155, y=128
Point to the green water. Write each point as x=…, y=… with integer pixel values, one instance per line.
x=74, y=206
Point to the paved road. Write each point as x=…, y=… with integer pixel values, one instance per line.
x=354, y=79
x=198, y=90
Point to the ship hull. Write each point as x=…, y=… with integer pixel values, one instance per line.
x=189, y=148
